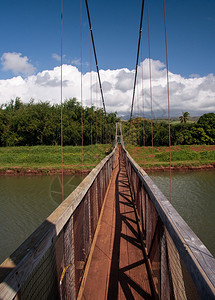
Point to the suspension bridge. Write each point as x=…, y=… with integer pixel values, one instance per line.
x=115, y=237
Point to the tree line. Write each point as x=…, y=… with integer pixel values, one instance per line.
x=183, y=133
x=29, y=124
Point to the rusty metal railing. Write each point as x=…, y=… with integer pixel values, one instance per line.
x=181, y=266
x=50, y=263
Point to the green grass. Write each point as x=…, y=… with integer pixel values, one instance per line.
x=195, y=155
x=176, y=120
x=179, y=122
x=50, y=156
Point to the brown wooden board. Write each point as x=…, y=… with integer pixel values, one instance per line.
x=116, y=266
x=16, y=269
x=198, y=260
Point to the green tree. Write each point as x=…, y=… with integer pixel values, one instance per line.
x=39, y=124
x=207, y=122
x=161, y=134
x=185, y=117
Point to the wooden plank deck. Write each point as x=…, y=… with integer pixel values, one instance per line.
x=116, y=267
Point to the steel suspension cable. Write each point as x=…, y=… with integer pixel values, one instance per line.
x=138, y=109
x=102, y=123
x=91, y=94
x=96, y=61
x=167, y=78
x=82, y=125
x=61, y=101
x=137, y=61
x=96, y=112
x=150, y=72
x=143, y=96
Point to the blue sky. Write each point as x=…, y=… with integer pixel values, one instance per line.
x=31, y=29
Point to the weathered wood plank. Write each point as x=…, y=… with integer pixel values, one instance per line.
x=198, y=260
x=15, y=270
x=175, y=269
x=101, y=251
x=165, y=284
x=26, y=258
x=116, y=259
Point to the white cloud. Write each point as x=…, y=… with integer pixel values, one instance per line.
x=56, y=56
x=194, y=94
x=76, y=62
x=18, y=64
x=194, y=75
x=125, y=80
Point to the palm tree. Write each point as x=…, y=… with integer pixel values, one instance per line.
x=184, y=118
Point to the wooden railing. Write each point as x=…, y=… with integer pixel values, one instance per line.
x=181, y=266
x=50, y=263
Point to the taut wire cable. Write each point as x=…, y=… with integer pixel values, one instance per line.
x=167, y=78
x=144, y=143
x=102, y=122
x=96, y=113
x=61, y=126
x=138, y=120
x=150, y=73
x=91, y=93
x=94, y=50
x=137, y=60
x=82, y=126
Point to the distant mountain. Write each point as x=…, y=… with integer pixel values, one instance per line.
x=125, y=117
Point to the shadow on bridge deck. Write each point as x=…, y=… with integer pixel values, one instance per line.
x=117, y=267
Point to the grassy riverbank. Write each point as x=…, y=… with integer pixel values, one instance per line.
x=194, y=156
x=46, y=158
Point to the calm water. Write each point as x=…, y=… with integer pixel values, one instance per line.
x=25, y=202
x=193, y=196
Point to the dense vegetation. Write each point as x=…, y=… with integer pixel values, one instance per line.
x=35, y=124
x=184, y=133
x=39, y=124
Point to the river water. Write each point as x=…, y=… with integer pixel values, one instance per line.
x=193, y=196
x=25, y=202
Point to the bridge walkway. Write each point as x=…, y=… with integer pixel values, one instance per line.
x=116, y=267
